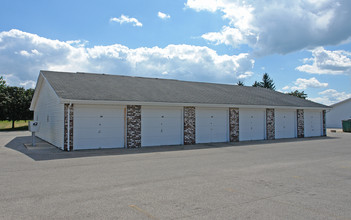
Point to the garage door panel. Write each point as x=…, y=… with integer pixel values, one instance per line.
x=161, y=126
x=93, y=122
x=285, y=123
x=313, y=124
x=98, y=127
x=95, y=143
x=251, y=124
x=211, y=125
x=203, y=138
x=96, y=112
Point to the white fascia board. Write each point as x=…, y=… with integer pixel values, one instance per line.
x=101, y=102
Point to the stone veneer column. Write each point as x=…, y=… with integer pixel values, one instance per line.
x=189, y=125
x=65, y=127
x=300, y=123
x=133, y=126
x=233, y=124
x=324, y=126
x=71, y=117
x=270, y=124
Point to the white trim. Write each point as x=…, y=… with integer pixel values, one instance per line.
x=102, y=102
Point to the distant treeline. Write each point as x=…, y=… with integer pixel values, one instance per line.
x=15, y=102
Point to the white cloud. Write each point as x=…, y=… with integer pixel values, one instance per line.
x=185, y=62
x=14, y=80
x=301, y=84
x=125, y=19
x=163, y=15
x=327, y=62
x=25, y=53
x=331, y=96
x=275, y=26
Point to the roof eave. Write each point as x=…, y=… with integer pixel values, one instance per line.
x=104, y=102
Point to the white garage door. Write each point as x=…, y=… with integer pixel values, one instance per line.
x=313, y=123
x=211, y=125
x=251, y=124
x=161, y=126
x=285, y=123
x=99, y=126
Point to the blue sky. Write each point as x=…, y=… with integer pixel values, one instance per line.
x=304, y=44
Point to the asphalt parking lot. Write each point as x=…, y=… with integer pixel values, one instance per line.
x=288, y=179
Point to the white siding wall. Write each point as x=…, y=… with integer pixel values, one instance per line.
x=337, y=114
x=49, y=112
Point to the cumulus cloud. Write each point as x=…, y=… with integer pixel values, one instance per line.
x=275, y=26
x=125, y=19
x=163, y=15
x=12, y=79
x=331, y=96
x=185, y=62
x=301, y=84
x=327, y=62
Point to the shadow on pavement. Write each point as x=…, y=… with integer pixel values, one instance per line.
x=45, y=151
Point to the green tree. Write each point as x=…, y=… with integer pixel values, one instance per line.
x=256, y=84
x=17, y=103
x=2, y=97
x=27, y=114
x=266, y=82
x=240, y=83
x=2, y=83
x=299, y=94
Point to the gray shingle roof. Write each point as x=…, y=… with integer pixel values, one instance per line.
x=88, y=86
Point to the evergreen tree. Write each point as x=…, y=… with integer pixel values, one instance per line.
x=299, y=94
x=240, y=83
x=266, y=82
x=256, y=84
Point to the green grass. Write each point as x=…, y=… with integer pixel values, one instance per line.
x=19, y=125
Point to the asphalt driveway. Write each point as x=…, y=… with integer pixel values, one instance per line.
x=288, y=179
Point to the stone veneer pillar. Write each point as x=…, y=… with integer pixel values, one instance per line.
x=133, y=126
x=65, y=127
x=71, y=118
x=233, y=124
x=324, y=126
x=300, y=123
x=189, y=125
x=68, y=115
x=270, y=124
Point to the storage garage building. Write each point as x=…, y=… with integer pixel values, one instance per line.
x=90, y=111
x=340, y=111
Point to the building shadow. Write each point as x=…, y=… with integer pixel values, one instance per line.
x=45, y=151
